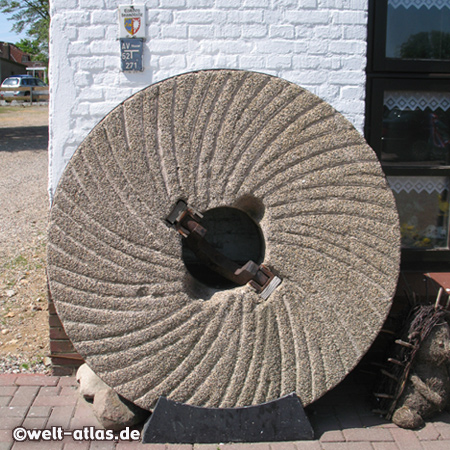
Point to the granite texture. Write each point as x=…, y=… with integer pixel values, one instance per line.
x=223, y=138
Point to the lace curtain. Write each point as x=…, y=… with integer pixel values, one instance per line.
x=419, y=184
x=409, y=100
x=440, y=4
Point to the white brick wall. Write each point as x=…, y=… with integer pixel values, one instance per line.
x=318, y=44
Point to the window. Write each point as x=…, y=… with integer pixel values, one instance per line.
x=423, y=210
x=412, y=35
x=10, y=82
x=408, y=120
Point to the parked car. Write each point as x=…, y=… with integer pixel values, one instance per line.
x=21, y=81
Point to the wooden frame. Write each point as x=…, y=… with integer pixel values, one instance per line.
x=383, y=64
x=33, y=93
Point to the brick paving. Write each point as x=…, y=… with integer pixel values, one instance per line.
x=342, y=420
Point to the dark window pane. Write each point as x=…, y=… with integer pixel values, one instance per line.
x=416, y=127
x=418, y=29
x=422, y=204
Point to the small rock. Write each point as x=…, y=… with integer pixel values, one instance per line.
x=115, y=412
x=47, y=361
x=39, y=299
x=10, y=314
x=12, y=342
x=36, y=308
x=89, y=382
x=10, y=293
x=5, y=331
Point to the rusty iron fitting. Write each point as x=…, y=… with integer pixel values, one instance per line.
x=186, y=221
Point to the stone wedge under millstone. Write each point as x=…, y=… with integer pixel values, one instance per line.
x=223, y=138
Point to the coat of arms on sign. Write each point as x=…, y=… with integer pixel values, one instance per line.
x=132, y=25
x=132, y=21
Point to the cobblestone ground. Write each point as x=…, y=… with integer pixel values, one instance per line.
x=342, y=420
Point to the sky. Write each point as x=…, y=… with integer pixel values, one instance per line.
x=5, y=34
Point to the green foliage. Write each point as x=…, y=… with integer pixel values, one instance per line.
x=34, y=48
x=16, y=263
x=426, y=45
x=33, y=17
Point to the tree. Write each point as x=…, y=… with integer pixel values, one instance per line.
x=33, y=17
x=426, y=45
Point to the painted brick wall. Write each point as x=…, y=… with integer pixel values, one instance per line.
x=318, y=44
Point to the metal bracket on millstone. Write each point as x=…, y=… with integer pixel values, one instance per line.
x=186, y=221
x=177, y=423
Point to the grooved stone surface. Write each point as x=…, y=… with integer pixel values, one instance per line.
x=223, y=138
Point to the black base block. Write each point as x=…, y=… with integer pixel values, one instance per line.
x=177, y=423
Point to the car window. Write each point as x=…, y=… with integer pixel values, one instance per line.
x=11, y=82
x=40, y=83
x=25, y=82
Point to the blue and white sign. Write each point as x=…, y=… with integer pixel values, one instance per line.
x=131, y=51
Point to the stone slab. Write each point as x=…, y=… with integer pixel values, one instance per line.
x=279, y=420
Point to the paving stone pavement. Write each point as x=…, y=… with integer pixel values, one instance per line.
x=342, y=420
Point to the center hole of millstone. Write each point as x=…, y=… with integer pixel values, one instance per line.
x=233, y=233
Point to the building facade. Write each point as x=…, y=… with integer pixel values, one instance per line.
x=13, y=61
x=383, y=64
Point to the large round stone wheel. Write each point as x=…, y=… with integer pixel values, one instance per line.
x=217, y=138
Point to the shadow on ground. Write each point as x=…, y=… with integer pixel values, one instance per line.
x=346, y=414
x=23, y=138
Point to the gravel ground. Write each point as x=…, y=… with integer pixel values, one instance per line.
x=22, y=364
x=23, y=221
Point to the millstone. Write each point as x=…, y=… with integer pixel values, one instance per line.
x=237, y=139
